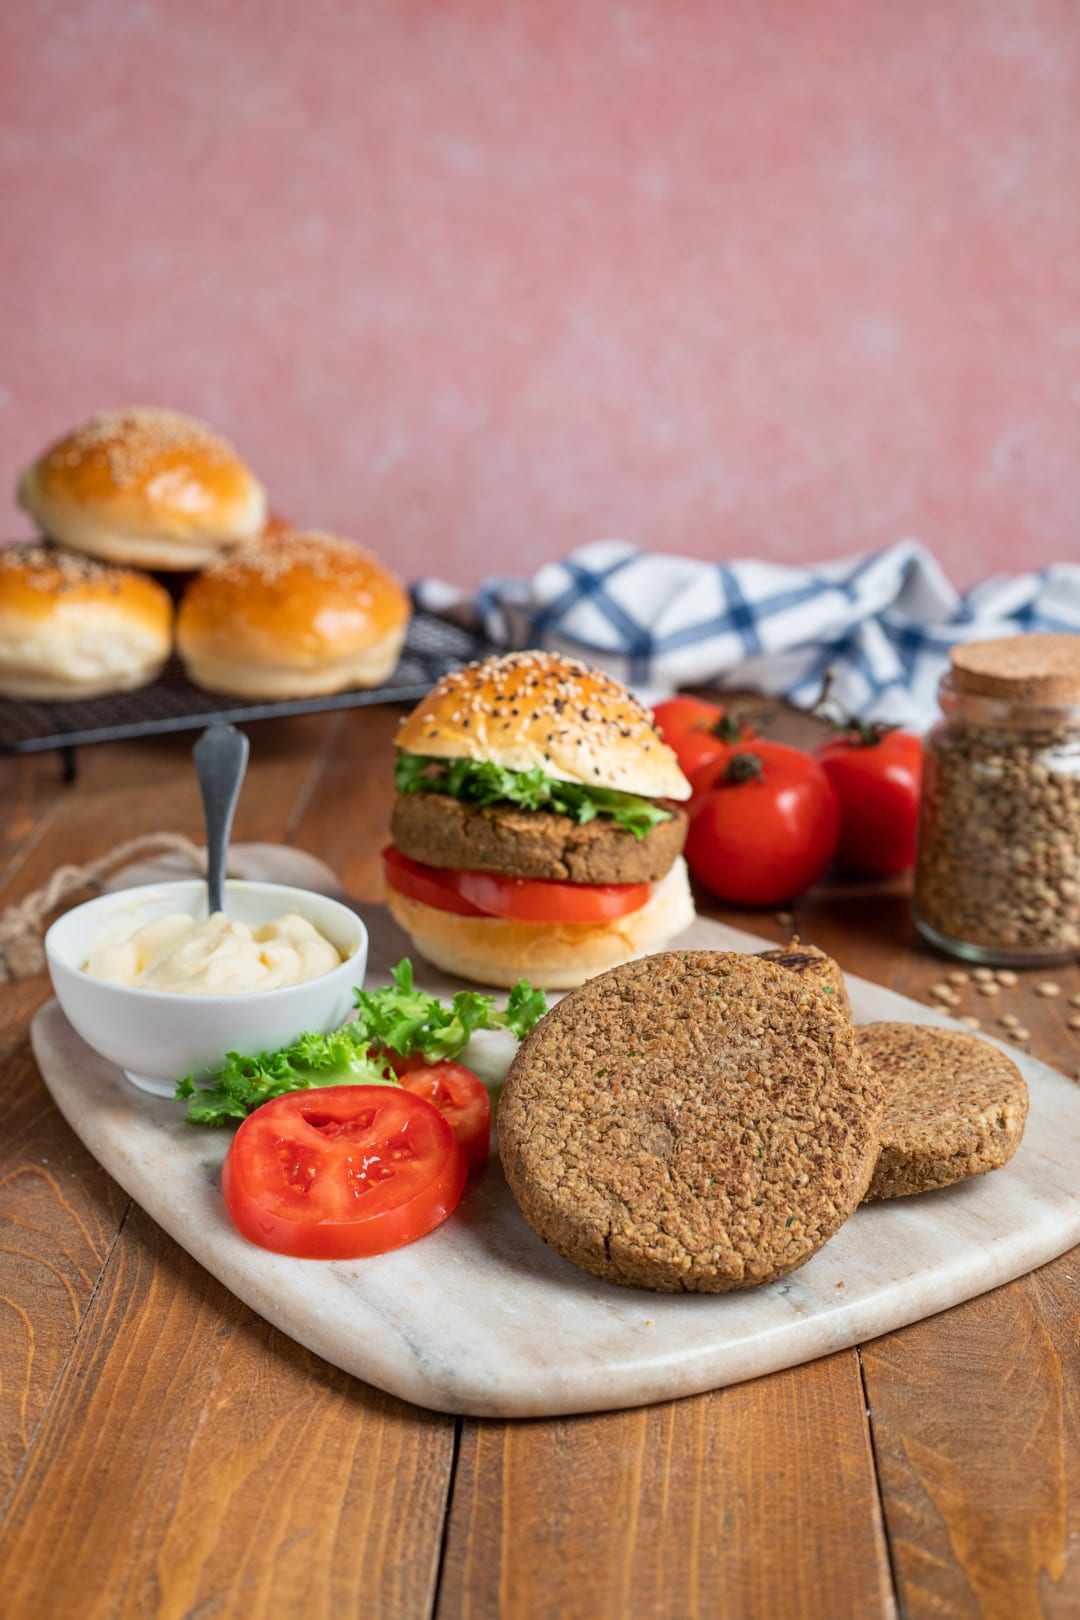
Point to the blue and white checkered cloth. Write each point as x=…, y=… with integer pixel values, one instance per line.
x=882, y=623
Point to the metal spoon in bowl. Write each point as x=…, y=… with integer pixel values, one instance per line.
x=221, y=756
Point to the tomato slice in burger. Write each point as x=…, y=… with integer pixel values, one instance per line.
x=428, y=884
x=461, y=1099
x=491, y=894
x=547, y=900
x=339, y=1172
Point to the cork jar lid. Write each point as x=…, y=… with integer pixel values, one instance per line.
x=1023, y=669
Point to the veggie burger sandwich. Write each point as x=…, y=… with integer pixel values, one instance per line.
x=534, y=831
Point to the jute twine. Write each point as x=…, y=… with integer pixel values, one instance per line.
x=22, y=926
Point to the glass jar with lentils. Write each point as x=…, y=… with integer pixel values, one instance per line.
x=997, y=877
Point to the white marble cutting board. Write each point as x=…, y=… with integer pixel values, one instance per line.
x=482, y=1318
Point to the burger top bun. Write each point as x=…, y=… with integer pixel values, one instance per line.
x=145, y=486
x=531, y=709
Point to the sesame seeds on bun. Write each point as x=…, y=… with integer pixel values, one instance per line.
x=298, y=614
x=145, y=486
x=529, y=709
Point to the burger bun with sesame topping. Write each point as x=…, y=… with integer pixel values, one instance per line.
x=145, y=486
x=71, y=627
x=298, y=614
x=535, y=831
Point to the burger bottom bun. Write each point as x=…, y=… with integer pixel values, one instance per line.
x=246, y=678
x=556, y=956
x=91, y=651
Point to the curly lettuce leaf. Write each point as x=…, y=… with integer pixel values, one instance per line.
x=241, y=1084
x=405, y=1020
x=399, y=1019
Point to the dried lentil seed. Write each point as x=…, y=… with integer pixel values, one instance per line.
x=971, y=1023
x=1073, y=1020
x=982, y=975
x=989, y=988
x=1048, y=989
x=1007, y=977
x=959, y=977
x=1010, y=1020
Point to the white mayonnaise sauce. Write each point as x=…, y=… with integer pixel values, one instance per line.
x=216, y=957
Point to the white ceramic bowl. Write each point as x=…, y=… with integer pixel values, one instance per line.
x=157, y=1036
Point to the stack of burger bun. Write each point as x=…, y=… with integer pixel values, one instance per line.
x=272, y=612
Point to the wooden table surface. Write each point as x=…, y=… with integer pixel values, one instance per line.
x=165, y=1452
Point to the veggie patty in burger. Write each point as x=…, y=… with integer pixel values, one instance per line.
x=534, y=829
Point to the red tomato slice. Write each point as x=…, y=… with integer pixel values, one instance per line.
x=342, y=1171
x=461, y=1099
x=490, y=894
x=427, y=884
x=546, y=900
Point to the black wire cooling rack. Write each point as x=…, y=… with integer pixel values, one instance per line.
x=171, y=703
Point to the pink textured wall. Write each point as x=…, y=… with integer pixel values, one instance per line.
x=478, y=282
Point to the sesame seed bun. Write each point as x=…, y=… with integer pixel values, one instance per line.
x=529, y=709
x=297, y=615
x=145, y=486
x=71, y=627
x=557, y=956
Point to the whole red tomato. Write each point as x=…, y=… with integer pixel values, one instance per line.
x=875, y=772
x=711, y=775
x=698, y=731
x=767, y=828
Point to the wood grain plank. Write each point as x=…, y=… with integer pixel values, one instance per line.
x=125, y=789
x=30, y=791
x=59, y=1214
x=196, y=1461
x=976, y=1423
x=752, y=1503
x=190, y=1459
x=975, y=1413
